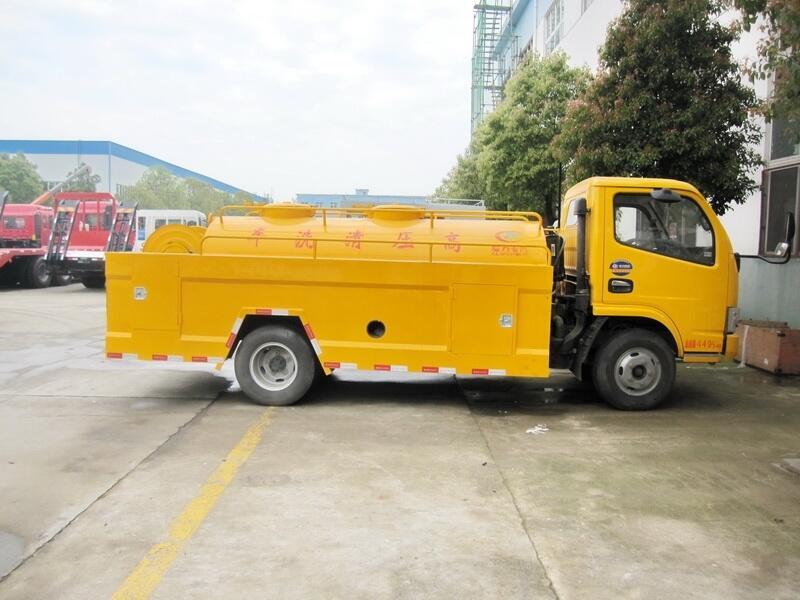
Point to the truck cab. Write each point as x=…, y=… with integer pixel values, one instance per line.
x=650, y=259
x=25, y=226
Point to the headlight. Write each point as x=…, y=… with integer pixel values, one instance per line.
x=731, y=319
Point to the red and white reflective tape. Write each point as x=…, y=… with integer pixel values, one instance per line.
x=313, y=339
x=167, y=357
x=278, y=312
x=393, y=368
x=207, y=359
x=446, y=370
x=345, y=366
x=237, y=324
x=121, y=356
x=488, y=371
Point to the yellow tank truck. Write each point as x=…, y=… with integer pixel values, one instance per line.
x=639, y=273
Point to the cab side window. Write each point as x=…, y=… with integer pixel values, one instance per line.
x=676, y=229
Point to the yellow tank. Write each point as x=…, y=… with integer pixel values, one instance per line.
x=396, y=233
x=389, y=288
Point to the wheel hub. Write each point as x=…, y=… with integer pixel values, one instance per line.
x=273, y=366
x=637, y=371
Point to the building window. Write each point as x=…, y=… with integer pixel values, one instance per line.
x=784, y=140
x=553, y=26
x=782, y=195
x=584, y=5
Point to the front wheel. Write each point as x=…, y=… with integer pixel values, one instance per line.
x=634, y=370
x=274, y=365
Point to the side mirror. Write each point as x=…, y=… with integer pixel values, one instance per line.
x=784, y=249
x=781, y=248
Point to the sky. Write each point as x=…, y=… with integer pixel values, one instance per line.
x=281, y=97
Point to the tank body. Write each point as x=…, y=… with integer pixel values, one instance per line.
x=385, y=289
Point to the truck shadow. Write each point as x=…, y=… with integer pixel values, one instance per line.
x=561, y=394
x=483, y=395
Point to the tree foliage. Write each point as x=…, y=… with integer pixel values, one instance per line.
x=158, y=188
x=516, y=159
x=510, y=162
x=463, y=181
x=668, y=101
x=19, y=178
x=778, y=51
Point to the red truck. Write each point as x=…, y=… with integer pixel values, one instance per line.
x=86, y=226
x=24, y=234
x=42, y=245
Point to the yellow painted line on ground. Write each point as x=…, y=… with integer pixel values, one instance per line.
x=152, y=568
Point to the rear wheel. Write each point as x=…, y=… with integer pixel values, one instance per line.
x=37, y=273
x=94, y=282
x=274, y=365
x=60, y=279
x=634, y=370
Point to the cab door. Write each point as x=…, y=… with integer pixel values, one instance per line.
x=662, y=259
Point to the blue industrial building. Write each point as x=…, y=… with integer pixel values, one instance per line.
x=118, y=166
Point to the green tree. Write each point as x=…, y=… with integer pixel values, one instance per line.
x=241, y=198
x=463, y=181
x=158, y=188
x=516, y=160
x=203, y=197
x=778, y=53
x=85, y=182
x=510, y=162
x=19, y=178
x=668, y=102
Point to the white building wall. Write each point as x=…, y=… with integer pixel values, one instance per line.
x=113, y=171
x=584, y=33
x=124, y=172
x=53, y=168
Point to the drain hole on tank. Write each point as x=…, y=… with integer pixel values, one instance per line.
x=376, y=329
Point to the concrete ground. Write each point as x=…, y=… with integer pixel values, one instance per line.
x=391, y=488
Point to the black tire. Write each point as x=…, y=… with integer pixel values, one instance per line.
x=275, y=365
x=634, y=370
x=37, y=273
x=61, y=279
x=14, y=272
x=94, y=282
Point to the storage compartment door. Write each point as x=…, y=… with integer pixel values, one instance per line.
x=484, y=319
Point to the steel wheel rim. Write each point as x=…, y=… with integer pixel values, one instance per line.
x=273, y=366
x=42, y=271
x=637, y=371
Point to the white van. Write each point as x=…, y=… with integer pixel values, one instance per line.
x=150, y=219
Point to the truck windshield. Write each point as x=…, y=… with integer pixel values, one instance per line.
x=678, y=229
x=14, y=223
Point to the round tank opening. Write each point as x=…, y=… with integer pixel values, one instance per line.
x=376, y=329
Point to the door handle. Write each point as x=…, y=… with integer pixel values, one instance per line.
x=620, y=286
